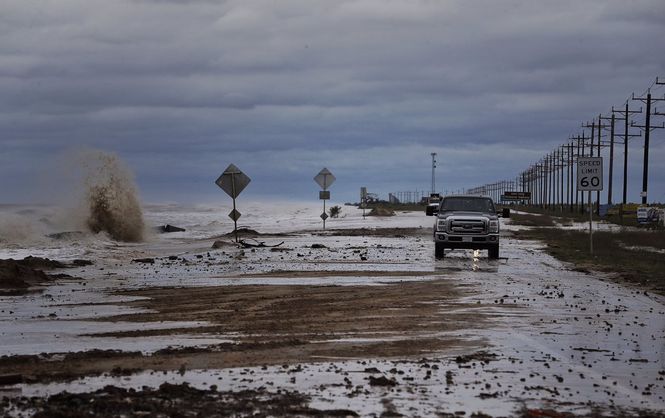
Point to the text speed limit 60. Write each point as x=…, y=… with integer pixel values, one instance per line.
x=592, y=181
x=590, y=173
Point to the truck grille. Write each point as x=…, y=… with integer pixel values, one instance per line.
x=467, y=226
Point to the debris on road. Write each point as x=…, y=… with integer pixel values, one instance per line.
x=170, y=228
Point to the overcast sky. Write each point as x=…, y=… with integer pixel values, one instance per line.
x=368, y=89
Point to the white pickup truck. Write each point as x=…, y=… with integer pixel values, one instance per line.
x=467, y=222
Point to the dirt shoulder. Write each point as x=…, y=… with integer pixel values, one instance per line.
x=633, y=256
x=275, y=324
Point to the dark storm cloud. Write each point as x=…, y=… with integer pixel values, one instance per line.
x=368, y=88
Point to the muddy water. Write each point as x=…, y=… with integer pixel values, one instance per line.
x=61, y=319
x=560, y=338
x=580, y=337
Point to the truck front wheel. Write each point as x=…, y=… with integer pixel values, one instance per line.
x=493, y=252
x=438, y=250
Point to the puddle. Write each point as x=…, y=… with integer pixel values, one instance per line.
x=57, y=320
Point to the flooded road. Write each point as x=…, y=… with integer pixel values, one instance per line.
x=378, y=324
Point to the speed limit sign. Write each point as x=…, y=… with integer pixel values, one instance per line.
x=590, y=173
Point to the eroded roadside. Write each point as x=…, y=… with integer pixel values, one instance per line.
x=632, y=256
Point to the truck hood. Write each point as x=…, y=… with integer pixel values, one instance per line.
x=467, y=214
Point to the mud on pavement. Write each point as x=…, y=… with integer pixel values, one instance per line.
x=340, y=323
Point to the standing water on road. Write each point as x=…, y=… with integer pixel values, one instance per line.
x=414, y=335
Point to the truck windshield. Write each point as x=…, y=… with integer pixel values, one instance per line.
x=467, y=204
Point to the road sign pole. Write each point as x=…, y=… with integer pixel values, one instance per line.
x=589, y=178
x=233, y=182
x=235, y=220
x=324, y=179
x=590, y=225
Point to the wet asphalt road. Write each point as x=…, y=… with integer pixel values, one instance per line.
x=559, y=338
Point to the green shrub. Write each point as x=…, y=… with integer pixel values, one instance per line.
x=334, y=211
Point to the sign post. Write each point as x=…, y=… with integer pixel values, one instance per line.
x=233, y=182
x=363, y=199
x=324, y=179
x=590, y=178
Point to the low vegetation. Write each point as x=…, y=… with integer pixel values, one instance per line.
x=381, y=211
x=568, y=217
x=633, y=255
x=528, y=219
x=335, y=211
x=399, y=207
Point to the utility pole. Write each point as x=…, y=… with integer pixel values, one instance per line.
x=600, y=129
x=543, y=176
x=538, y=185
x=555, y=177
x=528, y=187
x=582, y=193
x=546, y=180
x=550, y=181
x=626, y=136
x=538, y=179
x=562, y=200
x=433, y=177
x=536, y=182
x=553, y=181
x=611, y=173
x=577, y=194
x=533, y=186
x=528, y=176
x=552, y=184
x=571, y=185
x=647, y=130
x=593, y=132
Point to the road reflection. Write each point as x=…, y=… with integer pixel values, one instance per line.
x=467, y=260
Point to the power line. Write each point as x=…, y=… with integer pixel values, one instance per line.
x=546, y=179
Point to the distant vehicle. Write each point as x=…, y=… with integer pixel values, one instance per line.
x=647, y=214
x=467, y=222
x=432, y=204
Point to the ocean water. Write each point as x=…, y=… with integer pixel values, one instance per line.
x=29, y=230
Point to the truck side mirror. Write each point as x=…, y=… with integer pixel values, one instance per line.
x=505, y=213
x=431, y=210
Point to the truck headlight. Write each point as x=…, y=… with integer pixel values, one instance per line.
x=494, y=227
x=441, y=225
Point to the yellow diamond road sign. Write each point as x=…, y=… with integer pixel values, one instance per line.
x=235, y=215
x=324, y=216
x=325, y=178
x=233, y=181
